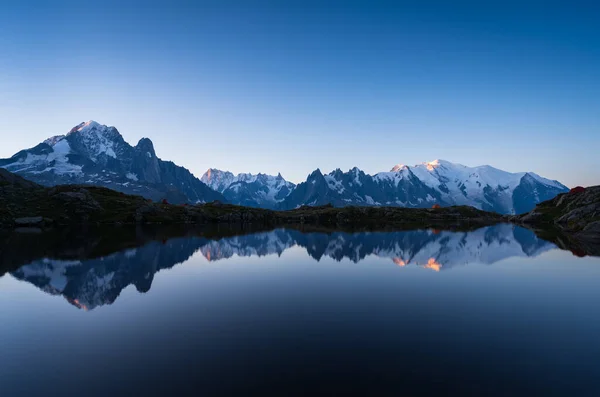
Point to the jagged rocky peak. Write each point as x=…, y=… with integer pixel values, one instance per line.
x=315, y=174
x=93, y=153
x=254, y=190
x=336, y=173
x=217, y=179
x=146, y=145
x=89, y=127
x=214, y=173
x=93, y=127
x=211, y=171
x=96, y=141
x=357, y=173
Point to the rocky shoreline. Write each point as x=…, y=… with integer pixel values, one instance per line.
x=575, y=213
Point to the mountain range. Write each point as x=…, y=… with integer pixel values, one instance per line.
x=91, y=153
x=422, y=186
x=90, y=283
x=261, y=190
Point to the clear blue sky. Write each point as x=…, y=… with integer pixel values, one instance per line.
x=285, y=87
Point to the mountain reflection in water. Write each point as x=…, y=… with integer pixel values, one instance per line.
x=89, y=283
x=490, y=312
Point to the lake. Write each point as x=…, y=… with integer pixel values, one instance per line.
x=489, y=312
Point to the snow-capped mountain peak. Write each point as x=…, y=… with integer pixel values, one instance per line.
x=93, y=153
x=87, y=125
x=260, y=190
x=218, y=180
x=431, y=165
x=484, y=187
x=398, y=167
x=96, y=139
x=434, y=182
x=439, y=163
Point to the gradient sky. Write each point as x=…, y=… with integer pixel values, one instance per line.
x=291, y=86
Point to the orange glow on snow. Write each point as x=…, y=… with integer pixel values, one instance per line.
x=80, y=305
x=399, y=261
x=432, y=264
x=431, y=165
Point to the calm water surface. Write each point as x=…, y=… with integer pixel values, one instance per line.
x=493, y=312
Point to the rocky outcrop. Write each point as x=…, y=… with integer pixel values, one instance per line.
x=10, y=180
x=576, y=212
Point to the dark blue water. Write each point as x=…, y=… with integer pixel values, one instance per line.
x=493, y=312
